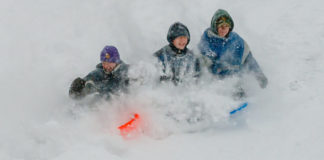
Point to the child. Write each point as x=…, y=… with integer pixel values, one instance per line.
x=176, y=60
x=109, y=77
x=226, y=52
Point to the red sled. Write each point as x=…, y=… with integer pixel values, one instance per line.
x=129, y=126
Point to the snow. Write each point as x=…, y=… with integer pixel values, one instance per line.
x=44, y=45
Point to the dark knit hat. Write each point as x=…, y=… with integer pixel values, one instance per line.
x=223, y=21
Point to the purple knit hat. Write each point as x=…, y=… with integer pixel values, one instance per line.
x=109, y=54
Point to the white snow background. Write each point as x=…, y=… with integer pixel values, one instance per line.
x=45, y=44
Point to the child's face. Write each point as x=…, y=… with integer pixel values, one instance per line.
x=223, y=30
x=108, y=66
x=180, y=42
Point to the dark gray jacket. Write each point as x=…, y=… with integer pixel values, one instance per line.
x=175, y=65
x=107, y=83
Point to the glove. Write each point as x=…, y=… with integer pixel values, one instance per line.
x=263, y=81
x=206, y=61
x=164, y=78
x=76, y=88
x=89, y=88
x=239, y=94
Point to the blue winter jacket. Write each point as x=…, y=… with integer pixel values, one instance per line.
x=229, y=55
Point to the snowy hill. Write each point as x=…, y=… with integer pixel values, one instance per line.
x=44, y=45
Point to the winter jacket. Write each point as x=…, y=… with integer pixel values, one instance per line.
x=177, y=65
x=228, y=55
x=106, y=83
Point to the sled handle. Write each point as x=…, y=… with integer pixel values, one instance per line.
x=239, y=108
x=129, y=123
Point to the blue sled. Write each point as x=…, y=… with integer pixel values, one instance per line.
x=242, y=106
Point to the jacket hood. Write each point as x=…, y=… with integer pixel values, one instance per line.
x=178, y=29
x=217, y=15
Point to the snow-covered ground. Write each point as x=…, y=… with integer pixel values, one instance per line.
x=44, y=45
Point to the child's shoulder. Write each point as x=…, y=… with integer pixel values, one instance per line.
x=164, y=50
